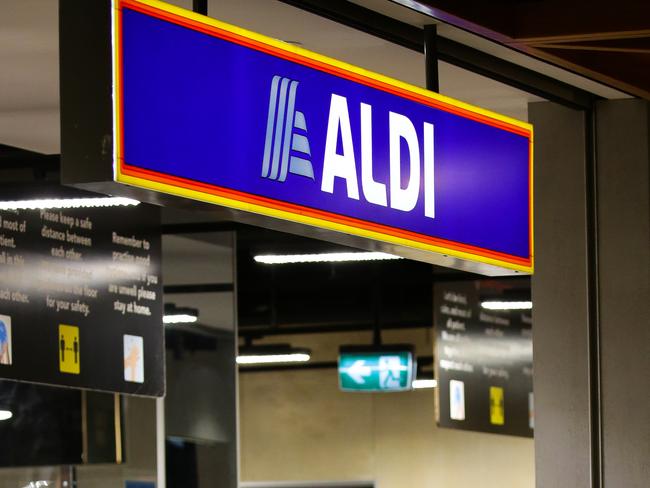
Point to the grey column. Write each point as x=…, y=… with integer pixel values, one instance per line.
x=559, y=289
x=621, y=308
x=623, y=160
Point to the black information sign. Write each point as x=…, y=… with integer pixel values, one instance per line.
x=484, y=363
x=81, y=298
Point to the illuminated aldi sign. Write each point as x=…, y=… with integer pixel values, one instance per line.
x=211, y=112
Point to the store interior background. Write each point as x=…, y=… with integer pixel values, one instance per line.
x=293, y=425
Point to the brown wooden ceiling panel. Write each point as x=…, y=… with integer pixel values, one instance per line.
x=606, y=41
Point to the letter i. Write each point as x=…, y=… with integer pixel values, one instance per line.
x=429, y=173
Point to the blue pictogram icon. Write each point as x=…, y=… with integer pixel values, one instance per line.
x=286, y=149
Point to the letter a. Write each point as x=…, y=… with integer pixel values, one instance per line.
x=334, y=164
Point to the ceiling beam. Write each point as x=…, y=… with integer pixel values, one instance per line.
x=586, y=37
x=543, y=19
x=198, y=288
x=606, y=49
x=326, y=328
x=515, y=24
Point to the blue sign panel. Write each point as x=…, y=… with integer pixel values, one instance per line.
x=212, y=112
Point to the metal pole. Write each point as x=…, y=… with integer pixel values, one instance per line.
x=200, y=6
x=67, y=477
x=431, y=57
x=376, y=335
x=593, y=302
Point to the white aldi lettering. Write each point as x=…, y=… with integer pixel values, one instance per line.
x=343, y=165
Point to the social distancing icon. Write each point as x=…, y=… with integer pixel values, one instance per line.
x=497, y=409
x=69, y=349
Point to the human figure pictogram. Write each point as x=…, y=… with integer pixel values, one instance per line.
x=62, y=348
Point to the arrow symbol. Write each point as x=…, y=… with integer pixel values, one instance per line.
x=358, y=371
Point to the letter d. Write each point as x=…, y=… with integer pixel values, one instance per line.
x=400, y=127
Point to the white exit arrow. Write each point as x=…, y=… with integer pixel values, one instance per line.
x=358, y=371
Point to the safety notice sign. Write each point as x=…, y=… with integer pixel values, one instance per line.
x=81, y=297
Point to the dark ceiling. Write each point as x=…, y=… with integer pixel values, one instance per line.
x=338, y=297
x=326, y=294
x=606, y=41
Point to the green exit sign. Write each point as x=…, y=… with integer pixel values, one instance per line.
x=387, y=368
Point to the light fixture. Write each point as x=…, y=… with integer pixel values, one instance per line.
x=180, y=318
x=273, y=358
x=39, y=484
x=272, y=354
x=420, y=384
x=179, y=315
x=331, y=257
x=54, y=203
x=5, y=414
x=509, y=305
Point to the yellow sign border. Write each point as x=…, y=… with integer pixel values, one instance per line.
x=139, y=182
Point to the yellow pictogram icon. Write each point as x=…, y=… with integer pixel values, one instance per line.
x=497, y=409
x=69, y=349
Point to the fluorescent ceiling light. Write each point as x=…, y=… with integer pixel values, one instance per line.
x=179, y=318
x=331, y=257
x=420, y=384
x=497, y=305
x=179, y=315
x=5, y=415
x=38, y=484
x=300, y=357
x=47, y=203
